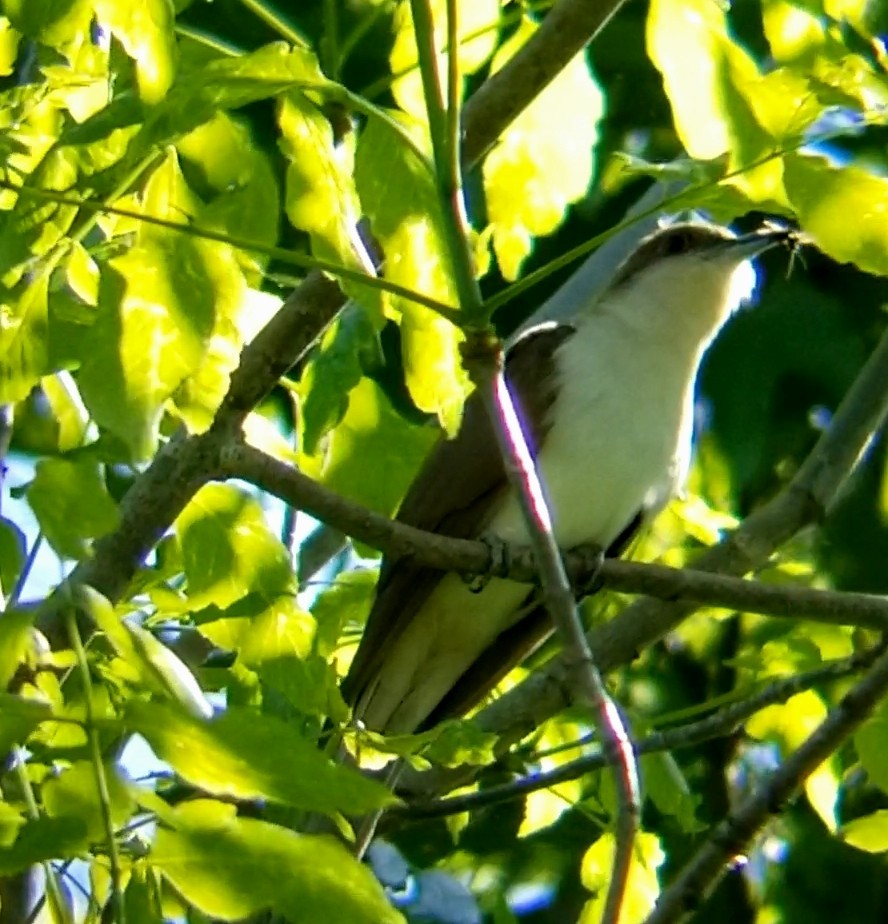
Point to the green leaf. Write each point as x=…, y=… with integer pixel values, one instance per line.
x=478, y=22
x=666, y=786
x=50, y=21
x=44, y=839
x=399, y=196
x=15, y=636
x=158, y=305
x=346, y=602
x=71, y=503
x=68, y=411
x=825, y=195
x=24, y=338
x=228, y=551
x=13, y=547
x=19, y=716
x=869, y=833
x=170, y=672
x=791, y=723
x=703, y=69
x=9, y=46
x=321, y=196
x=550, y=167
x=238, y=184
x=245, y=755
x=334, y=370
x=871, y=742
x=142, y=898
x=226, y=83
x=145, y=30
x=642, y=888
x=721, y=104
x=371, y=430
x=232, y=868
x=73, y=793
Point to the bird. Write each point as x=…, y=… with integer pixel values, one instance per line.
x=606, y=404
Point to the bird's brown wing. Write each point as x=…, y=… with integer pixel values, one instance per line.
x=511, y=647
x=455, y=494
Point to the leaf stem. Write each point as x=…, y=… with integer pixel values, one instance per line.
x=98, y=766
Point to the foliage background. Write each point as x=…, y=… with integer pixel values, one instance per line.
x=116, y=330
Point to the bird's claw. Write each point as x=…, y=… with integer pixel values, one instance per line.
x=499, y=564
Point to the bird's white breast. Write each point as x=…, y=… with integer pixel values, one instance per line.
x=620, y=435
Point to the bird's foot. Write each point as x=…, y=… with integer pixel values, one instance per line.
x=499, y=564
x=586, y=576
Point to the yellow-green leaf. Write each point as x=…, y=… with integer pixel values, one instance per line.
x=869, y=833
x=231, y=868
x=642, y=888
x=825, y=195
x=537, y=169
x=478, y=22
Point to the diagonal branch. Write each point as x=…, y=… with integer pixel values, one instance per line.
x=733, y=834
x=176, y=473
x=719, y=724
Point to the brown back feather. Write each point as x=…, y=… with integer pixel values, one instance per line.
x=454, y=498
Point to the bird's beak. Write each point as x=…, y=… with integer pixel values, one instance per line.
x=756, y=242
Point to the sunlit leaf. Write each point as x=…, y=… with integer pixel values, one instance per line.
x=9, y=45
x=24, y=338
x=15, y=634
x=642, y=889
x=170, y=672
x=228, y=550
x=73, y=793
x=825, y=194
x=240, y=190
x=226, y=83
x=791, y=723
x=869, y=833
x=321, y=197
x=688, y=40
x=50, y=21
x=156, y=314
x=545, y=806
x=246, y=755
x=477, y=33
x=399, y=196
x=230, y=868
x=19, y=716
x=145, y=30
x=551, y=167
x=71, y=503
x=372, y=430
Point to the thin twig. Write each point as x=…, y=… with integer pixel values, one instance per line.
x=719, y=724
x=586, y=684
x=98, y=765
x=732, y=835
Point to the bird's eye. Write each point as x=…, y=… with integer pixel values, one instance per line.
x=677, y=243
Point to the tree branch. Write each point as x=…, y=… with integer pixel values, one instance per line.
x=473, y=558
x=565, y=30
x=721, y=723
x=732, y=835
